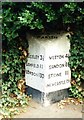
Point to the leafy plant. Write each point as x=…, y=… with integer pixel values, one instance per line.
x=16, y=18
x=77, y=64
x=17, y=21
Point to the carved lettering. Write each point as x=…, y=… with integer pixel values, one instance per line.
x=54, y=75
x=66, y=72
x=35, y=65
x=42, y=57
x=67, y=55
x=56, y=66
x=56, y=57
x=58, y=83
x=41, y=75
x=48, y=85
x=37, y=57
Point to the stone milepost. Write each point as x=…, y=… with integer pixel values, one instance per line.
x=47, y=69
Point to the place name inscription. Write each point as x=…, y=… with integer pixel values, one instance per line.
x=41, y=57
x=58, y=57
x=58, y=65
x=41, y=75
x=41, y=66
x=35, y=65
x=37, y=57
x=58, y=83
x=54, y=75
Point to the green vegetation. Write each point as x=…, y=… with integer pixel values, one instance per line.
x=20, y=18
x=77, y=65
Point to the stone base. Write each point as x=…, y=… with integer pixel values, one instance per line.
x=46, y=99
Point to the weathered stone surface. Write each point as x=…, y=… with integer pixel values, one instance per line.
x=49, y=98
x=46, y=71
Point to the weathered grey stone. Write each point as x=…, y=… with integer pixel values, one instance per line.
x=49, y=98
x=47, y=72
